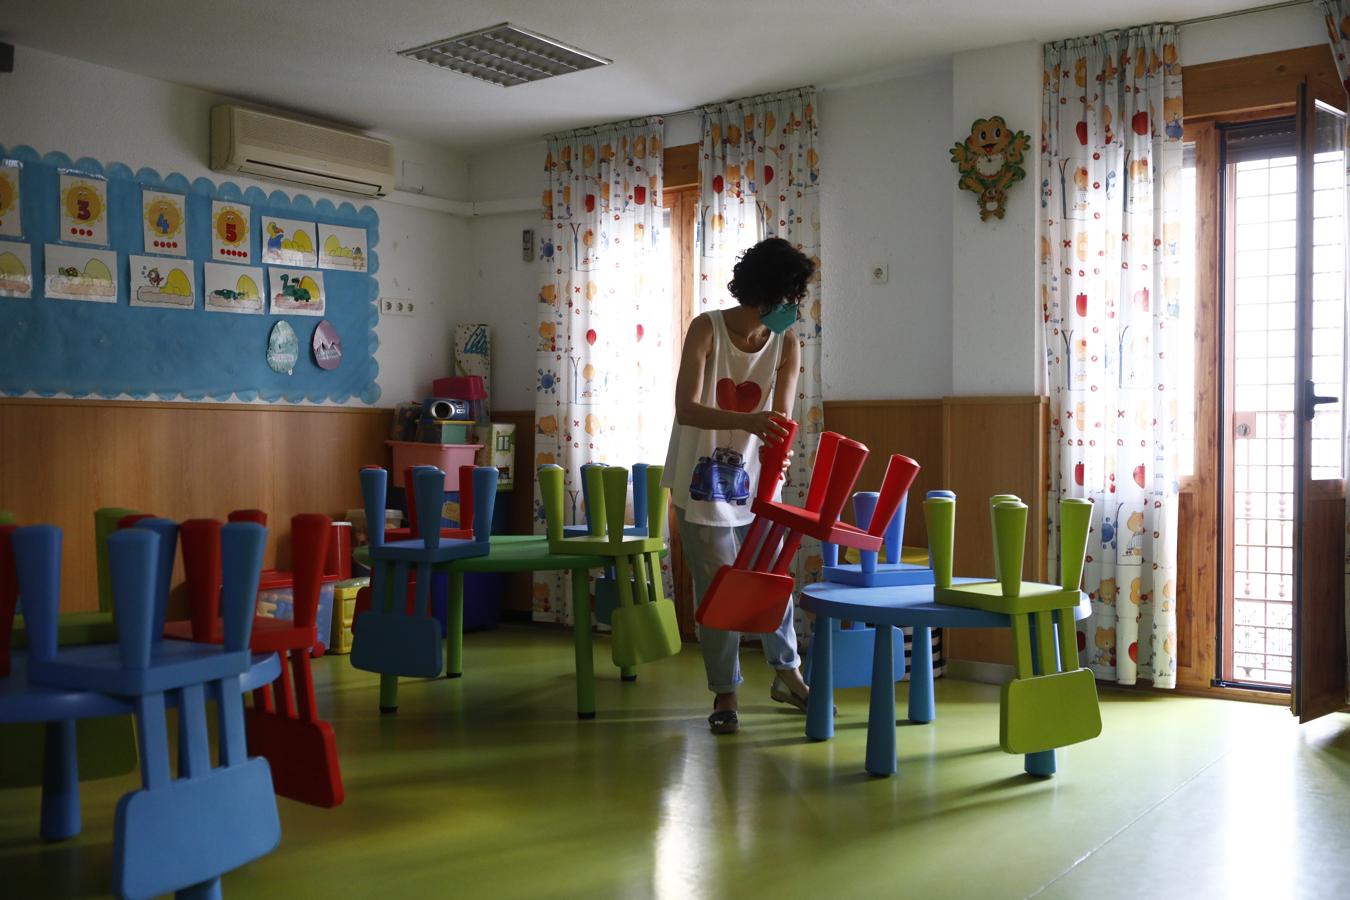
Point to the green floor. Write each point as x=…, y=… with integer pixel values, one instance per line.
x=489, y=787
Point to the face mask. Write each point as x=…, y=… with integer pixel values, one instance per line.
x=780, y=318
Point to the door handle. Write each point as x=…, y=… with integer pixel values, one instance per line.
x=1312, y=399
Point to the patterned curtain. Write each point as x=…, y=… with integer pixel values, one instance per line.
x=605, y=362
x=1111, y=160
x=760, y=177
x=1337, y=14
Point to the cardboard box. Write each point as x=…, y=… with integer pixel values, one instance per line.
x=501, y=447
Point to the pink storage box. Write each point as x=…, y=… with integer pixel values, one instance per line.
x=446, y=457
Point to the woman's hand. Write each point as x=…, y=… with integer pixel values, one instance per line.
x=766, y=425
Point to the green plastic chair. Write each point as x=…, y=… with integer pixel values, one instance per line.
x=644, y=622
x=1051, y=701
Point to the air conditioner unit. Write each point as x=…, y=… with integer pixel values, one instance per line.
x=255, y=143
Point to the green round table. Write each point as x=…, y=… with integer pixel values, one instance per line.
x=515, y=553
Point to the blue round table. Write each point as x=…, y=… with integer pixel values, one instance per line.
x=885, y=608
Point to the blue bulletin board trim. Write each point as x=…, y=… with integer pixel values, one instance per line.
x=50, y=347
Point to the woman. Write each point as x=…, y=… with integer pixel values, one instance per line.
x=738, y=375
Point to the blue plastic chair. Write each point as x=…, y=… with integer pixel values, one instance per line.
x=179, y=833
x=395, y=637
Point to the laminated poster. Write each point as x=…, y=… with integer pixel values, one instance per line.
x=229, y=232
x=233, y=289
x=11, y=220
x=287, y=242
x=342, y=248
x=84, y=208
x=295, y=292
x=164, y=217
x=163, y=283
x=79, y=273
x=16, y=270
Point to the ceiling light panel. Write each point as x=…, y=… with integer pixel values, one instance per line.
x=505, y=55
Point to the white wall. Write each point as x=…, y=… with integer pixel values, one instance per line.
x=885, y=183
x=54, y=103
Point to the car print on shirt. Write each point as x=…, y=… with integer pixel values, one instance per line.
x=721, y=477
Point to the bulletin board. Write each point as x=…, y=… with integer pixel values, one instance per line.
x=54, y=346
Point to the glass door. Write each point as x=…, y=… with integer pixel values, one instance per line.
x=1319, y=671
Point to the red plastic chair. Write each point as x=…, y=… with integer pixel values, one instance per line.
x=463, y=533
x=283, y=722
x=751, y=594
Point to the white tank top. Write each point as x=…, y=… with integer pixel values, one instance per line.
x=712, y=474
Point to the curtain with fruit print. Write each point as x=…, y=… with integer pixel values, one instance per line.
x=760, y=177
x=1337, y=13
x=604, y=361
x=1111, y=158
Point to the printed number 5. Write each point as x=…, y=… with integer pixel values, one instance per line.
x=231, y=233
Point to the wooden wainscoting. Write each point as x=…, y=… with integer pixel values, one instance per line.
x=976, y=446
x=65, y=458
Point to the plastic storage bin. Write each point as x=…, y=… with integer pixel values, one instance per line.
x=446, y=457
x=276, y=601
x=344, y=608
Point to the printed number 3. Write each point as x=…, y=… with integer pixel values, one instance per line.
x=83, y=206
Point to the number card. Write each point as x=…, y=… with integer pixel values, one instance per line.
x=11, y=220
x=229, y=232
x=84, y=208
x=164, y=217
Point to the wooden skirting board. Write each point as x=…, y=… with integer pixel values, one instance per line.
x=65, y=458
x=976, y=446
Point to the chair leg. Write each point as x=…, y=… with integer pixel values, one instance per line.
x=60, y=783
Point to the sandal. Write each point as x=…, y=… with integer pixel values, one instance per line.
x=724, y=721
x=781, y=693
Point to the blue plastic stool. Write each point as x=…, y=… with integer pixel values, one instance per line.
x=389, y=638
x=175, y=834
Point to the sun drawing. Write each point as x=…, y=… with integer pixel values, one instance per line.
x=84, y=203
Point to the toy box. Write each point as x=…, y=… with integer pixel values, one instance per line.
x=344, y=607
x=276, y=601
x=437, y=432
x=446, y=457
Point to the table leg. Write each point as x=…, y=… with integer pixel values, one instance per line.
x=388, y=693
x=454, y=629
x=585, y=650
x=881, y=710
x=921, y=708
x=60, y=783
x=1042, y=764
x=820, y=704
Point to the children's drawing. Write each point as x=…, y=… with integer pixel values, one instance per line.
x=288, y=242
x=16, y=270
x=233, y=289
x=327, y=346
x=78, y=273
x=160, y=282
x=296, y=292
x=84, y=208
x=164, y=217
x=283, y=349
x=11, y=221
x=229, y=232
x=342, y=248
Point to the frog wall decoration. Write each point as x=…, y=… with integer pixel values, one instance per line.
x=990, y=161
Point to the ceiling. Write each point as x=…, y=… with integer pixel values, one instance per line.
x=336, y=59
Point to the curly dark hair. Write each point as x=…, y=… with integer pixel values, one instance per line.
x=769, y=273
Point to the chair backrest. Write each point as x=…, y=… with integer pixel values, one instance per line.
x=309, y=552
x=256, y=516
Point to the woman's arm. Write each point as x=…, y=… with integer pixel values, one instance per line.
x=689, y=387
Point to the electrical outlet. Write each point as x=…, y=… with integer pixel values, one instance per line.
x=881, y=273
x=397, y=306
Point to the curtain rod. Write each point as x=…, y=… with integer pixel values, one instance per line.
x=637, y=120
x=1242, y=12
